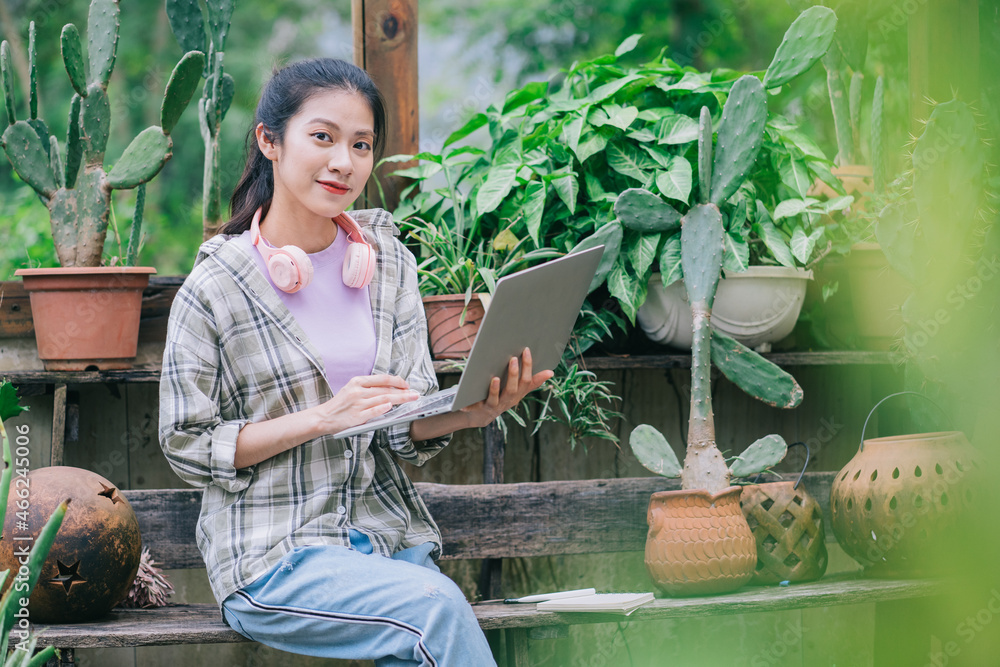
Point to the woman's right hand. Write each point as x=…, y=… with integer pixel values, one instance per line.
x=361, y=399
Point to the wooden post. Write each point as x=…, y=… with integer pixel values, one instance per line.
x=385, y=45
x=943, y=54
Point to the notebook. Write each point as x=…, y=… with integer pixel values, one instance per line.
x=534, y=308
x=624, y=603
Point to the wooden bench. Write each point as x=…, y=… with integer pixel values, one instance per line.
x=479, y=521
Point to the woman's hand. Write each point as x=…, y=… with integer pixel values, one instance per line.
x=361, y=399
x=520, y=382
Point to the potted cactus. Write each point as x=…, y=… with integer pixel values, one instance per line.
x=77, y=191
x=678, y=559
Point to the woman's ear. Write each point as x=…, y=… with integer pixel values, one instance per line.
x=265, y=142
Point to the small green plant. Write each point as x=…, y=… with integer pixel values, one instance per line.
x=703, y=240
x=22, y=653
x=188, y=23
x=79, y=201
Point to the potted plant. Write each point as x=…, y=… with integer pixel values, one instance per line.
x=699, y=542
x=86, y=315
x=773, y=237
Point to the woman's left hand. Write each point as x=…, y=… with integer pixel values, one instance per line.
x=520, y=382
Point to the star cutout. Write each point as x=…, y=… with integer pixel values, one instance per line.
x=110, y=492
x=68, y=576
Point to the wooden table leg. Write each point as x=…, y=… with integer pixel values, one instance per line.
x=517, y=647
x=58, y=425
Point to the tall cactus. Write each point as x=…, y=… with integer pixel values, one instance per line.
x=79, y=204
x=189, y=26
x=740, y=139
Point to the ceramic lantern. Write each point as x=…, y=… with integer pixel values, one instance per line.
x=96, y=552
x=787, y=525
x=901, y=499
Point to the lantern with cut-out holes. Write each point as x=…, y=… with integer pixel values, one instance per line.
x=787, y=524
x=901, y=503
x=96, y=552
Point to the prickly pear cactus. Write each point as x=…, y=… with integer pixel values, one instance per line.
x=702, y=237
x=196, y=32
x=79, y=204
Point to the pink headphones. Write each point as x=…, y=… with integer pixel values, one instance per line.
x=291, y=269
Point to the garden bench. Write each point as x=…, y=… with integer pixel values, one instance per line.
x=484, y=521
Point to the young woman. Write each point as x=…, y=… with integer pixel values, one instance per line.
x=314, y=544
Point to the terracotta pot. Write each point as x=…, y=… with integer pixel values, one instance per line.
x=903, y=499
x=877, y=295
x=452, y=337
x=698, y=544
x=95, y=555
x=86, y=318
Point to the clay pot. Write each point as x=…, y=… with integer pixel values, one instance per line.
x=96, y=552
x=86, y=318
x=452, y=336
x=698, y=543
x=903, y=499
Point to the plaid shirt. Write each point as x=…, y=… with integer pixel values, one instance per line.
x=235, y=354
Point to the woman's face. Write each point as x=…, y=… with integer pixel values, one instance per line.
x=326, y=156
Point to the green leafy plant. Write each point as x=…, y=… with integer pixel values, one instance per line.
x=703, y=241
x=188, y=23
x=559, y=153
x=79, y=201
x=23, y=652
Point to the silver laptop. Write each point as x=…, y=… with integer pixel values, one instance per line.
x=534, y=308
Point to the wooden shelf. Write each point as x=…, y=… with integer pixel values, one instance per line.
x=637, y=362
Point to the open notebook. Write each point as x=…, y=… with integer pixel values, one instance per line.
x=624, y=603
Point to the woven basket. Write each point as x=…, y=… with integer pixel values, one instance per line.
x=787, y=524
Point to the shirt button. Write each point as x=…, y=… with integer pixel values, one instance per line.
x=348, y=454
x=341, y=510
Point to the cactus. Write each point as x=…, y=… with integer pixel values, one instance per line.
x=188, y=23
x=879, y=166
x=643, y=211
x=78, y=203
x=741, y=134
x=702, y=236
x=805, y=42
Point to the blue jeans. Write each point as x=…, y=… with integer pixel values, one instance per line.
x=334, y=602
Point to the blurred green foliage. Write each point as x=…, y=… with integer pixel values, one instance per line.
x=512, y=42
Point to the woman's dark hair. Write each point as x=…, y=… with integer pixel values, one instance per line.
x=289, y=88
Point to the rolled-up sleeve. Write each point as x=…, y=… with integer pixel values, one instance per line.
x=199, y=445
x=411, y=351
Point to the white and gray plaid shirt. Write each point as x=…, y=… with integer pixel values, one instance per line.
x=235, y=354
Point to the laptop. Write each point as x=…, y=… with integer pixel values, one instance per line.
x=534, y=308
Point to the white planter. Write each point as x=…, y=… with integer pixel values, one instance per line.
x=757, y=307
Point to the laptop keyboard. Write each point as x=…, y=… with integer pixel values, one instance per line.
x=431, y=402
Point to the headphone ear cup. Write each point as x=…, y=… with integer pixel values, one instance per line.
x=303, y=268
x=359, y=265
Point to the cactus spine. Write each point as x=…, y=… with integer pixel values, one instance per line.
x=188, y=24
x=79, y=204
x=702, y=235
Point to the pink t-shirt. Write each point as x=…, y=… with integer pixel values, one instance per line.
x=336, y=318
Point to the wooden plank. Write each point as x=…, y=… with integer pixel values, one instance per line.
x=385, y=45
x=58, y=425
x=202, y=623
x=15, y=311
x=476, y=521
